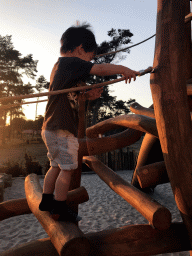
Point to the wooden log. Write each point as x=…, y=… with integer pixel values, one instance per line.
x=146, y=146
x=189, y=89
x=140, y=110
x=152, y=175
x=136, y=122
x=40, y=247
x=109, y=143
x=168, y=86
x=13, y=208
x=133, y=240
x=67, y=238
x=139, y=240
x=188, y=17
x=157, y=215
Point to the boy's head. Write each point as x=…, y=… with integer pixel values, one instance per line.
x=76, y=36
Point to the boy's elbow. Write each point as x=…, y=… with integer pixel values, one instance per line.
x=97, y=70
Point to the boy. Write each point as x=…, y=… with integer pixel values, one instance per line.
x=59, y=131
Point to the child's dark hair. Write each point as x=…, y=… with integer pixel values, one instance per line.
x=77, y=35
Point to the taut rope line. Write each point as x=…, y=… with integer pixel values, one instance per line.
x=121, y=50
x=81, y=88
x=187, y=19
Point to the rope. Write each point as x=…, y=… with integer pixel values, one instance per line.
x=81, y=88
x=108, y=53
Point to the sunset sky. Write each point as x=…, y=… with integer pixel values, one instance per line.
x=36, y=28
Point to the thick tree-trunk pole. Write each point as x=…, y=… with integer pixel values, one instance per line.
x=168, y=85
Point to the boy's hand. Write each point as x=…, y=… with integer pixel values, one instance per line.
x=128, y=74
x=93, y=94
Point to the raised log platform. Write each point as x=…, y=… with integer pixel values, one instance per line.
x=152, y=175
x=67, y=238
x=156, y=214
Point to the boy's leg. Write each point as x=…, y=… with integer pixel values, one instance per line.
x=50, y=179
x=47, y=202
x=62, y=185
x=50, y=140
x=61, y=211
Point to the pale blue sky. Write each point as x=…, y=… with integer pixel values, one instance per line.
x=36, y=27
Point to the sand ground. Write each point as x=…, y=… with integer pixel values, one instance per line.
x=104, y=210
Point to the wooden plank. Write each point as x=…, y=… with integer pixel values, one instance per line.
x=168, y=86
x=133, y=240
x=67, y=238
x=156, y=214
x=152, y=175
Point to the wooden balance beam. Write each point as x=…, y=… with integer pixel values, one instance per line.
x=152, y=175
x=132, y=240
x=156, y=214
x=67, y=238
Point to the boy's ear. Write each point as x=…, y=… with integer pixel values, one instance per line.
x=80, y=49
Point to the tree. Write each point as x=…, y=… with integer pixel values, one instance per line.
x=106, y=106
x=13, y=66
x=41, y=84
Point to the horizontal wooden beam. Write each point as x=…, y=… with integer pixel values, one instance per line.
x=152, y=175
x=109, y=143
x=188, y=17
x=133, y=240
x=137, y=240
x=156, y=214
x=136, y=122
x=13, y=208
x=140, y=110
x=67, y=238
x=20, y=206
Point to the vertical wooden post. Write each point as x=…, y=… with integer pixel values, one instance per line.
x=76, y=177
x=168, y=86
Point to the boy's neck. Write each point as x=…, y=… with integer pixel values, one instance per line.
x=70, y=54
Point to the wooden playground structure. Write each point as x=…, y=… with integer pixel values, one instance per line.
x=170, y=124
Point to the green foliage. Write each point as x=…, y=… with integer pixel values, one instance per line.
x=16, y=169
x=107, y=106
x=13, y=66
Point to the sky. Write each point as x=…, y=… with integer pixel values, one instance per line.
x=36, y=27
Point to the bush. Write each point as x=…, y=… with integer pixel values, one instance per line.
x=32, y=166
x=14, y=169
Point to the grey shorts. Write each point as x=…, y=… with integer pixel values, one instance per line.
x=62, y=149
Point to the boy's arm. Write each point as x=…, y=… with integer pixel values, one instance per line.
x=111, y=69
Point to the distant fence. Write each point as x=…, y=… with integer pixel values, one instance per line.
x=120, y=159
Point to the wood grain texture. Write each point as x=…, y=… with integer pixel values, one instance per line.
x=168, y=86
x=66, y=237
x=156, y=214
